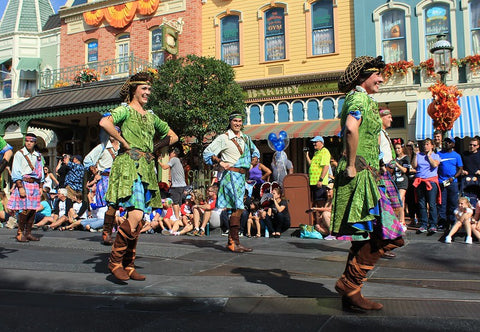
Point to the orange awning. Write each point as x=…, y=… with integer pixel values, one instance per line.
x=295, y=129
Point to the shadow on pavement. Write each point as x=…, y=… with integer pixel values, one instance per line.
x=317, y=246
x=4, y=252
x=281, y=281
x=201, y=244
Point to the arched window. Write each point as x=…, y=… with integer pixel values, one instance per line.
x=323, y=39
x=123, y=53
x=92, y=52
x=156, y=48
x=394, y=46
x=275, y=34
x=230, y=40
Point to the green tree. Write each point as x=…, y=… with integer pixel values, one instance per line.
x=195, y=95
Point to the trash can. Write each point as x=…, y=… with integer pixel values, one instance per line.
x=296, y=189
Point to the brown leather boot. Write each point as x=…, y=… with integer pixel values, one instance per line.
x=129, y=258
x=21, y=222
x=29, y=225
x=353, y=297
x=233, y=243
x=108, y=221
x=119, y=248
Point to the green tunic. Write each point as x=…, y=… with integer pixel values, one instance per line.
x=353, y=198
x=138, y=130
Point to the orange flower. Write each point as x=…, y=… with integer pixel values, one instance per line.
x=119, y=16
x=444, y=109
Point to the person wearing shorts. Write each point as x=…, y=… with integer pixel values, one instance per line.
x=177, y=178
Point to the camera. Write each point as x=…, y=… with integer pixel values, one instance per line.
x=305, y=149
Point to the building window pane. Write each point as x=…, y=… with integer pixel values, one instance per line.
x=123, y=45
x=274, y=34
x=230, y=40
x=92, y=51
x=437, y=20
x=157, y=47
x=5, y=80
x=393, y=36
x=322, y=26
x=475, y=26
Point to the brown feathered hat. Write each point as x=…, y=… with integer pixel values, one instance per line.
x=359, y=65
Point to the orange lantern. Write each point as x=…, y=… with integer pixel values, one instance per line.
x=93, y=17
x=119, y=16
x=147, y=7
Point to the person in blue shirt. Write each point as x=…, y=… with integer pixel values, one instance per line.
x=450, y=168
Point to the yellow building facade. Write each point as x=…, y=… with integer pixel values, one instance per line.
x=288, y=56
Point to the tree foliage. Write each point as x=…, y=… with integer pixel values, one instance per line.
x=195, y=95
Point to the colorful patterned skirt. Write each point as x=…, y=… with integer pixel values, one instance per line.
x=392, y=191
x=102, y=186
x=139, y=199
x=231, y=190
x=30, y=202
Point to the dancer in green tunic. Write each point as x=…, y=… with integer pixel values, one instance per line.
x=133, y=184
x=361, y=211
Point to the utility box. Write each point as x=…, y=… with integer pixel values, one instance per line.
x=296, y=189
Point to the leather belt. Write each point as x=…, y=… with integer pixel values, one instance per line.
x=238, y=170
x=31, y=180
x=136, y=154
x=105, y=173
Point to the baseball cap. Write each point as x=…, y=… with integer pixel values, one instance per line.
x=78, y=157
x=188, y=197
x=63, y=191
x=448, y=139
x=317, y=139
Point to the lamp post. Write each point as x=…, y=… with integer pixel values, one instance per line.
x=442, y=53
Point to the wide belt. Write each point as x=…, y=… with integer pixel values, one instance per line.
x=105, y=173
x=31, y=180
x=238, y=170
x=136, y=154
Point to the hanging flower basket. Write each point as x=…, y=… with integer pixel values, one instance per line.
x=396, y=68
x=444, y=109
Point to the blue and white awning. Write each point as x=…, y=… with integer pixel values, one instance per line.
x=468, y=124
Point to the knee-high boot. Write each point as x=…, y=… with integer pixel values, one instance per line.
x=108, y=221
x=119, y=248
x=233, y=243
x=22, y=223
x=360, y=261
x=129, y=258
x=29, y=225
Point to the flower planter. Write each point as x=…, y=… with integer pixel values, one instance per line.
x=473, y=76
x=399, y=79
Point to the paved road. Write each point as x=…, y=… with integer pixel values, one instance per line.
x=61, y=283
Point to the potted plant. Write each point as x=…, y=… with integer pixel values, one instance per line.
x=444, y=109
x=472, y=61
x=86, y=75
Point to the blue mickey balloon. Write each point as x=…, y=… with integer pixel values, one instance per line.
x=279, y=143
x=283, y=135
x=272, y=137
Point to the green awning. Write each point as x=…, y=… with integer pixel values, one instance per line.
x=3, y=60
x=29, y=64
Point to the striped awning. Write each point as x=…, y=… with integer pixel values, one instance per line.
x=467, y=125
x=295, y=129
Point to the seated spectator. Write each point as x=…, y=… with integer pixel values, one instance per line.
x=186, y=219
x=97, y=213
x=168, y=217
x=254, y=218
x=277, y=217
x=463, y=216
x=204, y=211
x=61, y=206
x=44, y=212
x=325, y=210
x=152, y=221
x=77, y=213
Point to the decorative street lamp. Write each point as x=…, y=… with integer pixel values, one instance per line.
x=442, y=53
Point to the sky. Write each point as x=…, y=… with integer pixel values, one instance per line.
x=55, y=4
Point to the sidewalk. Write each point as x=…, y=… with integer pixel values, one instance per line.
x=286, y=276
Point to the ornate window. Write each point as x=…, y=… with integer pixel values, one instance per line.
x=323, y=34
x=6, y=80
x=230, y=39
x=157, y=54
x=393, y=35
x=123, y=53
x=274, y=34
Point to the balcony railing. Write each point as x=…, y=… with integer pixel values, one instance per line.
x=107, y=69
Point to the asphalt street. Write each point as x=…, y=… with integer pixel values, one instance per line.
x=61, y=283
